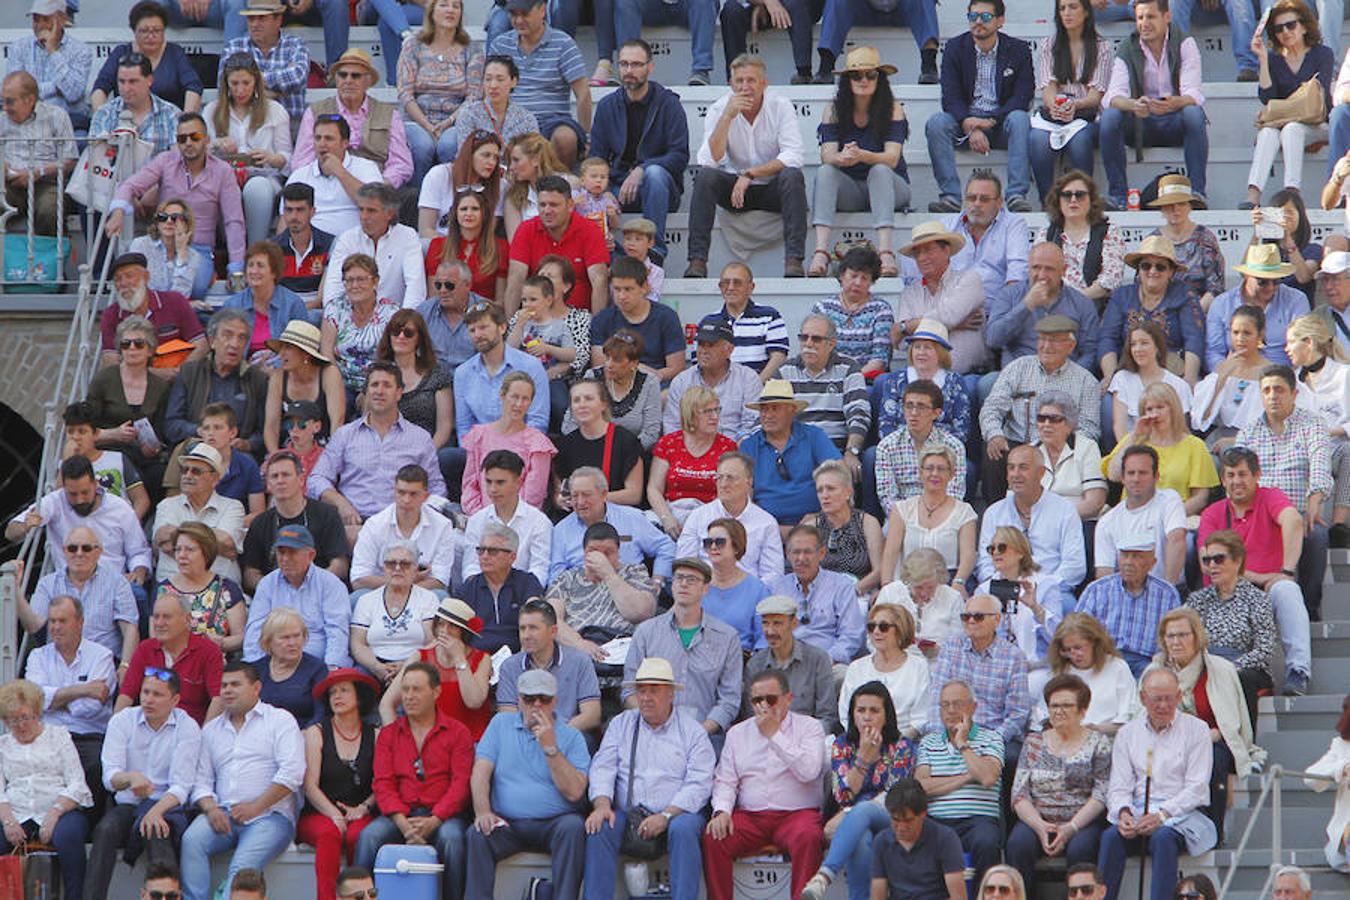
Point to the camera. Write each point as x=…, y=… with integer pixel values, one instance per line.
x=1007, y=592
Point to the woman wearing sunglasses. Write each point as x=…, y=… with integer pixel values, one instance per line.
x=167, y=246
x=1195, y=887
x=393, y=621
x=862, y=141
x=871, y=756
x=1083, y=648
x=734, y=592
x=895, y=662
x=427, y=388
x=1094, y=251
x=123, y=394
x=1002, y=882
x=1072, y=463
x=1059, y=791
x=1020, y=584
x=1156, y=295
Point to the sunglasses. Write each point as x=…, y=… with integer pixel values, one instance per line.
x=985, y=17
x=1184, y=895
x=1216, y=559
x=128, y=343
x=872, y=75
x=812, y=338
x=81, y=548
x=419, y=770
x=1003, y=890
x=996, y=548
x=398, y=564
x=194, y=136
x=362, y=894
x=1147, y=266
x=168, y=216
x=350, y=74
x=164, y=895
x=407, y=332
x=534, y=699
x=711, y=542
x=976, y=617
x=781, y=465
x=443, y=285
x=161, y=674
x=1276, y=28
x=1087, y=890
x=489, y=551
x=1073, y=195
x=882, y=627
x=764, y=700
x=194, y=471
x=1048, y=419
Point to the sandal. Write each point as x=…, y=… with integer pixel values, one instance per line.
x=888, y=269
x=822, y=270
x=603, y=76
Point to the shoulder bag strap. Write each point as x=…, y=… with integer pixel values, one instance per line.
x=632, y=760
x=609, y=450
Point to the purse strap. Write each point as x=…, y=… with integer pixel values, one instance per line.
x=632, y=760
x=609, y=452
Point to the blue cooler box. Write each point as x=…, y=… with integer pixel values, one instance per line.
x=408, y=872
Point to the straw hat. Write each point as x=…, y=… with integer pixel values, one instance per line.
x=931, y=330
x=864, y=59
x=357, y=57
x=654, y=670
x=1173, y=189
x=457, y=612
x=1263, y=261
x=1155, y=245
x=777, y=391
x=932, y=231
x=299, y=334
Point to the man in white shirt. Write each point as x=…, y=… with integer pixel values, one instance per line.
x=335, y=175
x=1143, y=508
x=502, y=471
x=763, y=556
x=407, y=518
x=200, y=469
x=150, y=762
x=395, y=247
x=751, y=158
x=251, y=765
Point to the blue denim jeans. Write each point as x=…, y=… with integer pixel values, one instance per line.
x=943, y=131
x=658, y=197
x=1164, y=849
x=617, y=21
x=235, y=26
x=426, y=151
x=255, y=845
x=1184, y=128
x=563, y=838
x=1241, y=16
x=683, y=841
x=1079, y=150
x=1339, y=130
x=841, y=15
x=68, y=838
x=1024, y=849
x=393, y=18
x=449, y=842
x=851, y=847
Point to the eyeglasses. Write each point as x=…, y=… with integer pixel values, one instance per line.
x=1062, y=707
x=443, y=285
x=1073, y=195
x=418, y=769
x=711, y=542
x=168, y=216
x=872, y=75
x=917, y=407
x=781, y=465
x=489, y=551
x=164, y=675
x=1088, y=890
x=398, y=563
x=194, y=471
x=534, y=699
x=996, y=548
x=976, y=617
x=1276, y=28
x=81, y=548
x=1215, y=559
x=194, y=136
x=147, y=31
x=350, y=74
x=880, y=626
x=362, y=894
x=1049, y=419
x=166, y=895
x=812, y=338
x=711, y=411
x=356, y=279
x=985, y=17
x=764, y=700
x=23, y=719
x=1147, y=266
x=1003, y=890
x=732, y=282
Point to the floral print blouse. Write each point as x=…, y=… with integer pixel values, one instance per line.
x=1059, y=786
x=888, y=393
x=1203, y=258
x=896, y=762
x=865, y=333
x=209, y=605
x=356, y=343
x=1112, y=273
x=439, y=82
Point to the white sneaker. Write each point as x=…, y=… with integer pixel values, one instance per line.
x=817, y=887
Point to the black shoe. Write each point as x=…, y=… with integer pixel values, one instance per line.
x=928, y=71
x=825, y=68
x=945, y=204
x=1019, y=205
x=697, y=268
x=1112, y=205
x=1338, y=536
x=803, y=76
x=824, y=76
x=700, y=78
x=1198, y=200
x=1246, y=204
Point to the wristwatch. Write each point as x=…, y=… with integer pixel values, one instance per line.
x=667, y=816
x=550, y=751
x=855, y=451
x=462, y=666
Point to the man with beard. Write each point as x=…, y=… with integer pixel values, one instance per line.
x=170, y=312
x=478, y=381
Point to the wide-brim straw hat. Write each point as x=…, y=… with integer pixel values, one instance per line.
x=355, y=56
x=654, y=670
x=457, y=612
x=864, y=59
x=929, y=232
x=263, y=8
x=1173, y=189
x=777, y=391
x=1263, y=261
x=301, y=335
x=1154, y=245
x=930, y=330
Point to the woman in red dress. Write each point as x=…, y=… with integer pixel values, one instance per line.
x=465, y=670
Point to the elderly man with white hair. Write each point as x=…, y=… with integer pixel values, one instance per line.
x=639, y=538
x=58, y=61
x=1335, y=278
x=49, y=149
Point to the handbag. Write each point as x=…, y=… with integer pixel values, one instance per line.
x=94, y=180
x=1307, y=105
x=633, y=843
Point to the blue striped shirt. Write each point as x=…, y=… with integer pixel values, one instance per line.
x=757, y=332
x=1131, y=620
x=546, y=73
x=942, y=759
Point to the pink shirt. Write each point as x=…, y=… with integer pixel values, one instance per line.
x=397, y=169
x=213, y=196
x=778, y=773
x=1259, y=529
x=529, y=444
x=1157, y=78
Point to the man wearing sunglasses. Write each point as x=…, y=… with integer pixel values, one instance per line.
x=193, y=175
x=161, y=882
x=356, y=883
x=1085, y=882
x=809, y=669
x=449, y=295
x=987, y=83
x=1016, y=310
x=529, y=775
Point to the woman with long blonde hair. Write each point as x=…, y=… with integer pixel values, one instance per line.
x=530, y=158
x=1184, y=463
x=1324, y=368
x=439, y=69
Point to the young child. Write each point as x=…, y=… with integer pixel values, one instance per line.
x=304, y=421
x=594, y=200
x=112, y=470
x=639, y=237
x=242, y=480
x=540, y=328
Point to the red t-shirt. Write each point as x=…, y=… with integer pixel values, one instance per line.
x=691, y=476
x=199, y=667
x=1259, y=529
x=171, y=313
x=483, y=285
x=583, y=243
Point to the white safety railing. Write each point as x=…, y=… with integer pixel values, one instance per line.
x=1272, y=789
x=27, y=256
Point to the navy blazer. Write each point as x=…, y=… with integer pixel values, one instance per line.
x=1014, y=77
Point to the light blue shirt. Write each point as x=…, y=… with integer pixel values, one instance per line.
x=107, y=600
x=1286, y=306
x=638, y=539
x=322, y=601
x=48, y=669
x=478, y=397
x=453, y=346
x=522, y=785
x=1056, y=536
x=1000, y=256
x=167, y=757
x=828, y=612
x=673, y=765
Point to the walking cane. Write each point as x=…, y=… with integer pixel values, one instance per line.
x=1148, y=788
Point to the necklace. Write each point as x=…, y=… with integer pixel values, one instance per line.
x=344, y=735
x=932, y=509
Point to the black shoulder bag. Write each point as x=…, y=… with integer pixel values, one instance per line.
x=634, y=844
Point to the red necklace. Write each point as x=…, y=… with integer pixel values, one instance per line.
x=346, y=737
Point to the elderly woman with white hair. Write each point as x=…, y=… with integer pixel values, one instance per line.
x=289, y=674
x=1073, y=464
x=922, y=589
x=852, y=537
x=933, y=519
x=392, y=622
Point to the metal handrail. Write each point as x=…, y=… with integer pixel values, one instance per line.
x=1270, y=787
x=7, y=212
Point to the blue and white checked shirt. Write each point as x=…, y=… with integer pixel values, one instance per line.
x=62, y=77
x=1131, y=620
x=285, y=69
x=159, y=129
x=107, y=600
x=998, y=677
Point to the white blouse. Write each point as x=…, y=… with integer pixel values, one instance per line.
x=908, y=686
x=1078, y=469
x=274, y=135
x=938, y=620
x=1331, y=393
x=1335, y=763
x=1128, y=387
x=1113, y=694
x=944, y=537
x=395, y=638
x=34, y=775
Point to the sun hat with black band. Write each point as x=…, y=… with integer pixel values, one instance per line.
x=655, y=670
x=460, y=614
x=302, y=336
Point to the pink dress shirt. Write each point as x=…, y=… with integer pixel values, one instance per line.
x=214, y=197
x=1157, y=79
x=397, y=169
x=529, y=444
x=779, y=773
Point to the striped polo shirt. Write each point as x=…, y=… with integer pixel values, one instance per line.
x=757, y=332
x=942, y=759
x=836, y=397
x=546, y=73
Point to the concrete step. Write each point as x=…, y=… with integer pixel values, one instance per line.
x=1295, y=749
x=1331, y=638
x=1300, y=827
x=1311, y=713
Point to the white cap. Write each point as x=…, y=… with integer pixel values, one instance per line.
x=1335, y=263
x=1143, y=539
x=47, y=7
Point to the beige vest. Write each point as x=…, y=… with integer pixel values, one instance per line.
x=375, y=137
